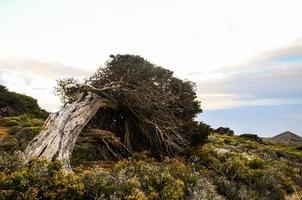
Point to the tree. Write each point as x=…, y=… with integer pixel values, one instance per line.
x=12, y=104
x=144, y=107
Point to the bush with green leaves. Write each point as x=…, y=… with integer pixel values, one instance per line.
x=136, y=178
x=253, y=137
x=227, y=167
x=38, y=180
x=224, y=131
x=12, y=104
x=22, y=129
x=250, y=170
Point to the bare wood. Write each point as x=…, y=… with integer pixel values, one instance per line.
x=109, y=145
x=61, y=130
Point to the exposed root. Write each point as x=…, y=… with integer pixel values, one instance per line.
x=109, y=146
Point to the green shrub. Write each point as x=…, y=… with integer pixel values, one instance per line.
x=84, y=152
x=250, y=170
x=204, y=189
x=12, y=104
x=224, y=131
x=10, y=143
x=256, y=164
x=11, y=123
x=38, y=180
x=217, y=170
x=252, y=137
x=13, y=130
x=22, y=130
x=199, y=133
x=159, y=179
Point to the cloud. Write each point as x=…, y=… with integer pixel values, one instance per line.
x=35, y=67
x=272, y=78
x=213, y=102
x=36, y=79
x=293, y=50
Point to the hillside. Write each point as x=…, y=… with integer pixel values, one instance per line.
x=12, y=104
x=226, y=167
x=287, y=138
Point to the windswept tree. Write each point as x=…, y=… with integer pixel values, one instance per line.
x=128, y=105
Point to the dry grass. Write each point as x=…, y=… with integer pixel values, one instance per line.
x=3, y=132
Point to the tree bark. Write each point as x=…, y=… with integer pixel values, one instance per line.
x=61, y=130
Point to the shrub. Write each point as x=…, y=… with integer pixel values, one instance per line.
x=11, y=123
x=12, y=104
x=199, y=133
x=140, y=177
x=299, y=148
x=159, y=180
x=38, y=180
x=9, y=143
x=224, y=131
x=22, y=130
x=256, y=164
x=252, y=137
x=204, y=189
x=250, y=170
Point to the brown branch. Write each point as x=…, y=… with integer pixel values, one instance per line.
x=90, y=88
x=106, y=136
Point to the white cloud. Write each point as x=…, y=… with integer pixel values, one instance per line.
x=229, y=101
x=273, y=78
x=36, y=79
x=214, y=37
x=181, y=35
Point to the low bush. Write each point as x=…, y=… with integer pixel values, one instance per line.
x=22, y=129
x=252, y=137
x=38, y=180
x=199, y=133
x=224, y=131
x=227, y=167
x=12, y=104
x=250, y=170
x=127, y=179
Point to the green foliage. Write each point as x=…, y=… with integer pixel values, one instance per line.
x=12, y=104
x=127, y=179
x=38, y=180
x=22, y=129
x=156, y=180
x=224, y=131
x=251, y=170
x=299, y=148
x=198, y=132
x=156, y=111
x=253, y=137
x=205, y=189
x=84, y=152
x=228, y=167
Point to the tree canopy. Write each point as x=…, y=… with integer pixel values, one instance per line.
x=155, y=110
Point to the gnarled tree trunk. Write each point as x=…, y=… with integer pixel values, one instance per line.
x=61, y=130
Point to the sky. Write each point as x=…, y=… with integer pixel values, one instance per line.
x=244, y=55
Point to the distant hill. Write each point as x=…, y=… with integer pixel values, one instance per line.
x=13, y=104
x=287, y=138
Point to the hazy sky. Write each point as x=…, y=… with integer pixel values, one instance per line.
x=244, y=55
